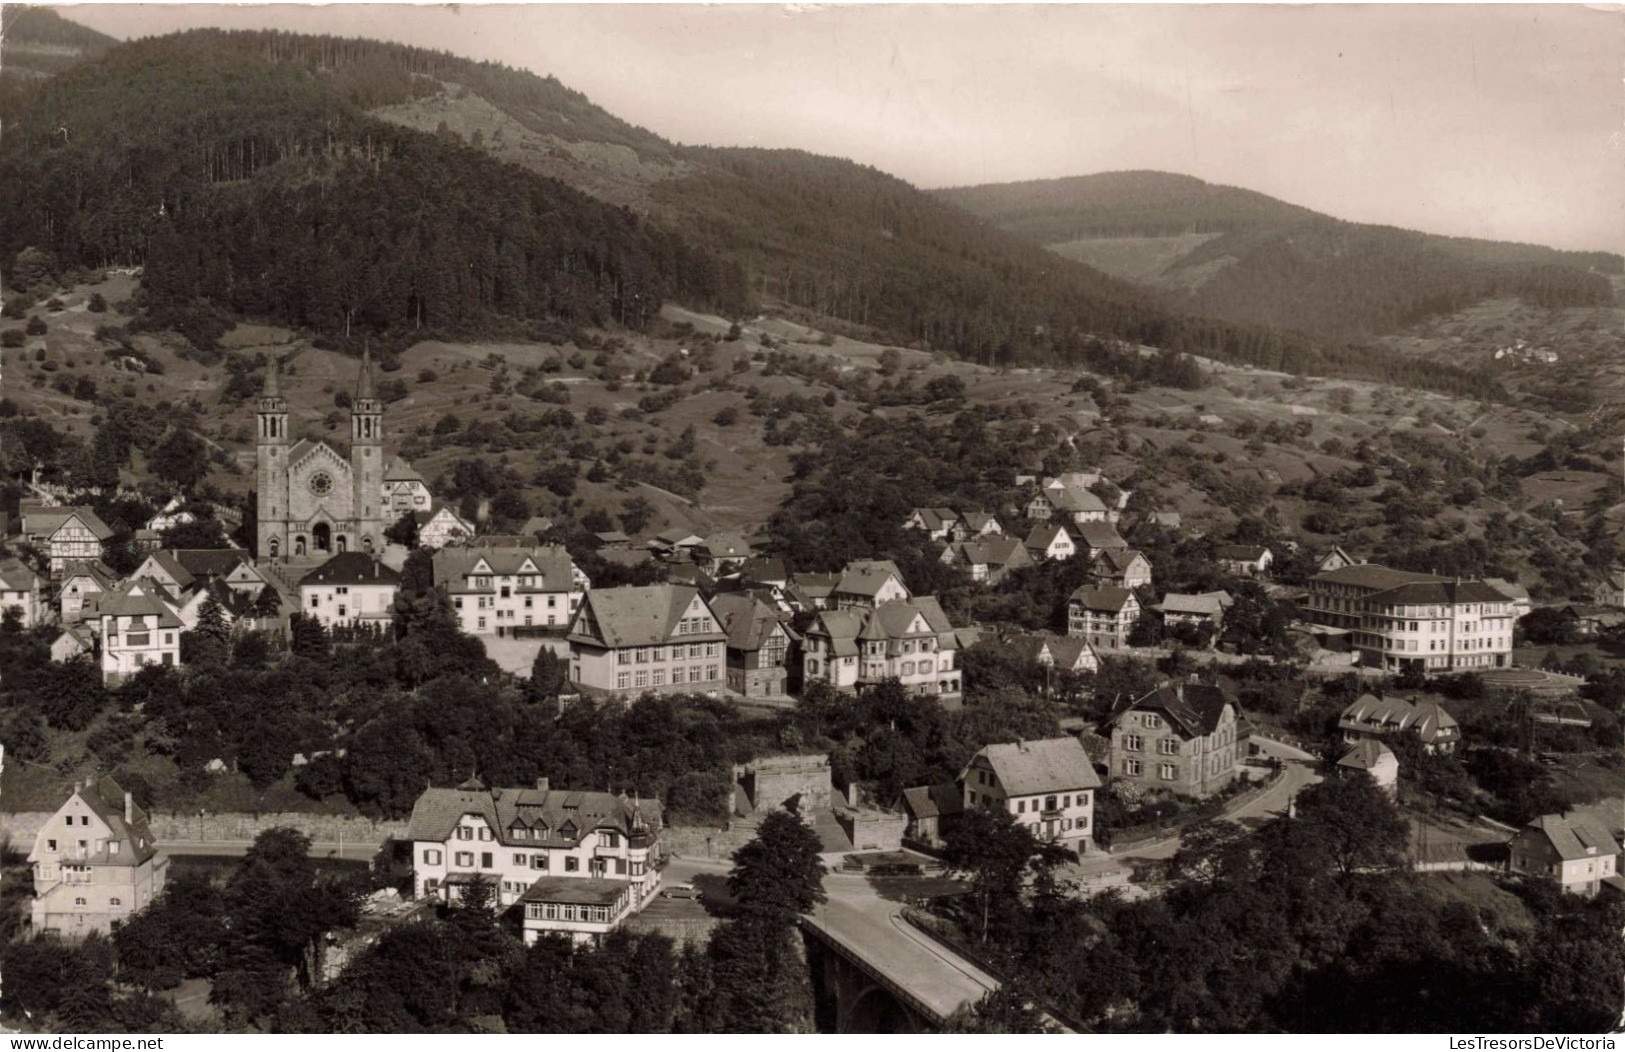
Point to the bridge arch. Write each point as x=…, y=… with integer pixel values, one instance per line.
x=876, y=1011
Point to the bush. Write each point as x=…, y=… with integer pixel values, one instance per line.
x=12, y=338
x=36, y=326
x=427, y=376
x=97, y=304
x=727, y=416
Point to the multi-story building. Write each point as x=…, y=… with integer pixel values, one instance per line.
x=1575, y=851
x=973, y=524
x=20, y=591
x=1050, y=540
x=660, y=637
x=1103, y=616
x=94, y=862
x=352, y=588
x=1094, y=538
x=65, y=534
x=439, y=526
x=1374, y=760
x=1203, y=610
x=507, y=591
x=1245, y=560
x=404, y=489
x=181, y=570
x=1180, y=737
x=936, y=522
x=1372, y=717
x=1048, y=785
x=758, y=647
x=1074, y=504
x=580, y=863
x=909, y=640
x=1399, y=620
x=989, y=559
x=137, y=628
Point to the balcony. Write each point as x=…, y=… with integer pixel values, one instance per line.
x=1052, y=814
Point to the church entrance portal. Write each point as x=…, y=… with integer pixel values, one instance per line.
x=344, y=544
x=276, y=546
x=299, y=545
x=323, y=534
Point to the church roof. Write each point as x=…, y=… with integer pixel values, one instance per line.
x=273, y=380
x=364, y=386
x=400, y=471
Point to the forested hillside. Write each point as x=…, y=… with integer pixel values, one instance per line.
x=254, y=187
x=245, y=172
x=35, y=43
x=1267, y=262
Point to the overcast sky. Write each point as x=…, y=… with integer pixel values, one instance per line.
x=1503, y=122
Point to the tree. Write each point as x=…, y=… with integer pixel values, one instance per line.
x=778, y=874
x=307, y=635
x=204, y=531
x=549, y=675
x=991, y=848
x=404, y=531
x=182, y=459
x=1356, y=822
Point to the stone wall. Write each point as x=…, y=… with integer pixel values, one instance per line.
x=21, y=827
x=772, y=780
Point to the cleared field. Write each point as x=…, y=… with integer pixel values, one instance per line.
x=1142, y=259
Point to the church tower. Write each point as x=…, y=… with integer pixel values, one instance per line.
x=367, y=458
x=271, y=461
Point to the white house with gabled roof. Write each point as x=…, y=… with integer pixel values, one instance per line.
x=1048, y=786
x=505, y=591
x=661, y=637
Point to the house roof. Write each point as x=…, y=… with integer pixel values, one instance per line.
x=1195, y=709
x=208, y=562
x=747, y=620
x=1166, y=518
x=977, y=521
x=49, y=520
x=1443, y=593
x=1370, y=575
x=867, y=577
x=585, y=891
x=935, y=519
x=636, y=616
x=1365, y=755
x=1241, y=552
x=454, y=566
x=676, y=538
x=1120, y=559
x=1040, y=537
x=1510, y=589
x=1575, y=835
x=350, y=568
x=1046, y=766
x=1109, y=599
x=994, y=550
x=933, y=801
x=1099, y=535
x=890, y=620
x=763, y=570
x=536, y=524
x=16, y=577
x=1065, y=652
x=136, y=599
x=1209, y=604
x=400, y=471
x=1380, y=715
x=1073, y=499
x=94, y=569
x=563, y=815
x=612, y=537
x=105, y=797
x=724, y=546
x=815, y=585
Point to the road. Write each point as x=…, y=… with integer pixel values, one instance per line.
x=349, y=850
x=1299, y=772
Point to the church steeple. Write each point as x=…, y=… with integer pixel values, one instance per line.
x=273, y=409
x=366, y=410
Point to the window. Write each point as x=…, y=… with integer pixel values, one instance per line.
x=431, y=857
x=1021, y=807
x=1049, y=803
x=623, y=657
x=710, y=672
x=1131, y=766
x=1168, y=746
x=315, y=602
x=485, y=860
x=50, y=845
x=115, y=902
x=609, y=838
x=1150, y=719
x=485, y=832
x=1133, y=742
x=623, y=680
x=659, y=677
x=643, y=655
x=572, y=864
x=78, y=902
x=519, y=860
x=1167, y=772
x=464, y=858
x=710, y=650
x=482, y=622
x=643, y=677
x=538, y=862
x=660, y=653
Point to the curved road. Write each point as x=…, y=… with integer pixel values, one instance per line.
x=1299, y=772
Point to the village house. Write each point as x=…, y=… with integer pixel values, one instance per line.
x=930, y=810
x=511, y=591
x=405, y=489
x=722, y=554
x=1121, y=568
x=1204, y=610
x=1074, y=505
x=936, y=522
x=1166, y=520
x=989, y=559
x=758, y=647
x=95, y=862
x=661, y=638
x=20, y=591
x=1398, y=620
x=909, y=640
x=1103, y=616
x=764, y=572
x=1181, y=737
x=1335, y=559
x=1050, y=540
x=580, y=862
x=1373, y=717
x=82, y=582
x=439, y=526
x=352, y=588
x=1096, y=537
x=1060, y=653
x=136, y=628
x=1244, y=560
x=1574, y=851
x=808, y=592
x=973, y=524
x=1516, y=593
x=64, y=534
x=1610, y=591
x=182, y=570
x=868, y=582
x=1047, y=785
x=76, y=640
x=1371, y=757
x=675, y=543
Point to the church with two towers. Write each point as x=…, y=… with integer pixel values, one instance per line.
x=316, y=501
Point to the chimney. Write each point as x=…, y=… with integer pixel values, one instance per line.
x=541, y=785
x=129, y=809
